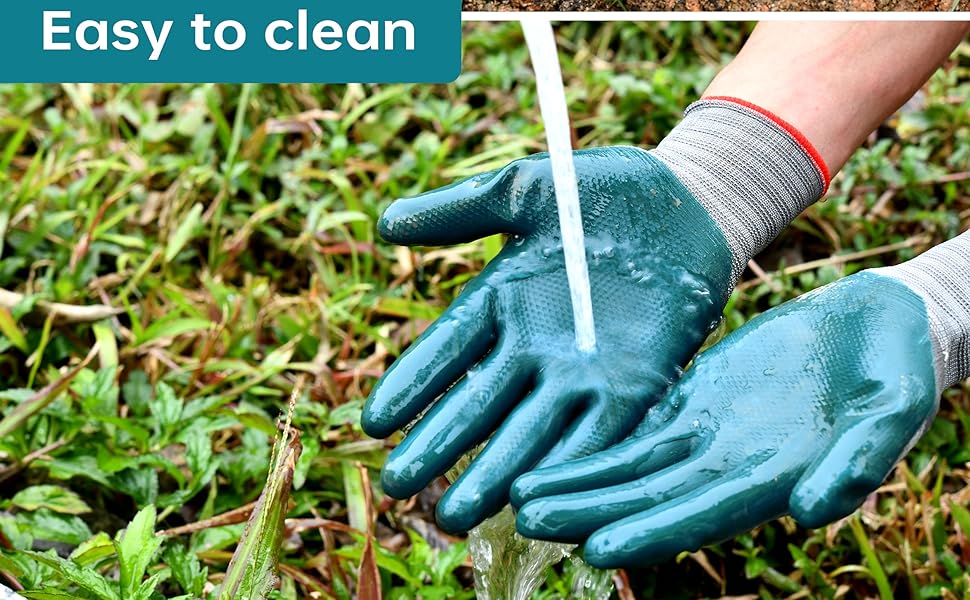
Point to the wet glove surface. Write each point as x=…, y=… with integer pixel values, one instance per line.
x=503, y=354
x=805, y=410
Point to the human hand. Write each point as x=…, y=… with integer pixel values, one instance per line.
x=804, y=410
x=502, y=357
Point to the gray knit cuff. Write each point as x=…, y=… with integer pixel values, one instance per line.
x=752, y=172
x=941, y=277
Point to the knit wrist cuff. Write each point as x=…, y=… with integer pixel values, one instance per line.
x=751, y=170
x=941, y=277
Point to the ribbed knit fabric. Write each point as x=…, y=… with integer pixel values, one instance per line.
x=941, y=276
x=752, y=171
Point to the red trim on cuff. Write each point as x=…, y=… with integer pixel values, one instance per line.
x=806, y=145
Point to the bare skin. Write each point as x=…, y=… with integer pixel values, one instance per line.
x=836, y=81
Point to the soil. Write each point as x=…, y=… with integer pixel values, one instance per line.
x=708, y=5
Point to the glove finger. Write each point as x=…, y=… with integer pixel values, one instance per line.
x=631, y=459
x=573, y=517
x=483, y=489
x=460, y=420
x=443, y=353
x=858, y=461
x=608, y=420
x=462, y=212
x=717, y=511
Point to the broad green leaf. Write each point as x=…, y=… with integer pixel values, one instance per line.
x=87, y=579
x=93, y=550
x=97, y=391
x=136, y=546
x=137, y=392
x=147, y=588
x=43, y=524
x=53, y=497
x=198, y=449
x=166, y=406
x=186, y=569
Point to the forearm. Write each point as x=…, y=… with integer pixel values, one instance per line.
x=836, y=82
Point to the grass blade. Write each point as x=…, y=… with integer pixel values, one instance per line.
x=368, y=576
x=872, y=560
x=108, y=353
x=186, y=230
x=252, y=571
x=8, y=327
x=42, y=398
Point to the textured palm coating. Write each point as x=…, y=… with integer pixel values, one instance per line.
x=804, y=410
x=503, y=354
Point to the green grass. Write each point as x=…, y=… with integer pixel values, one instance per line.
x=230, y=229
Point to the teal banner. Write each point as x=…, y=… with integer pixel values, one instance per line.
x=293, y=41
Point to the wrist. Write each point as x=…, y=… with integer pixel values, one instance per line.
x=941, y=278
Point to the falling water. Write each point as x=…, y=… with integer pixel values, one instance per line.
x=555, y=115
x=507, y=565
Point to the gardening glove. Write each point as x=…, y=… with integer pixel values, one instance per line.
x=666, y=238
x=804, y=410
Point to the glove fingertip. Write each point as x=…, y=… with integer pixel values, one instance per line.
x=375, y=425
x=813, y=509
x=524, y=489
x=459, y=511
x=392, y=226
x=542, y=520
x=400, y=478
x=378, y=418
x=600, y=551
x=529, y=521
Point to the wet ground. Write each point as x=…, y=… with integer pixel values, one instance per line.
x=706, y=5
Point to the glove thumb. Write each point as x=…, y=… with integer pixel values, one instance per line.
x=861, y=455
x=462, y=212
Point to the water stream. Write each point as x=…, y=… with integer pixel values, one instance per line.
x=555, y=115
x=507, y=565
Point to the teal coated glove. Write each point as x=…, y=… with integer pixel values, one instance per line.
x=804, y=410
x=501, y=360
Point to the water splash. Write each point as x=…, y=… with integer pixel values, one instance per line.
x=589, y=583
x=507, y=565
x=555, y=115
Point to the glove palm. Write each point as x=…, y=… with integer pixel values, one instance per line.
x=502, y=358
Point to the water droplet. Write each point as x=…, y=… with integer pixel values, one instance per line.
x=769, y=372
x=546, y=252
